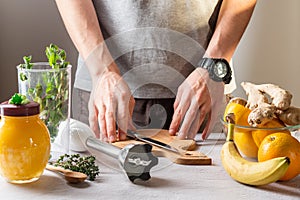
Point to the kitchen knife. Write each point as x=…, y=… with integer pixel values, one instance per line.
x=137, y=136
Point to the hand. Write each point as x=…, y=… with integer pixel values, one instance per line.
x=110, y=103
x=197, y=97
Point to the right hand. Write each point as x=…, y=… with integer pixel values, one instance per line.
x=111, y=103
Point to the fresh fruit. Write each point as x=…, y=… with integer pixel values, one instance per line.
x=247, y=139
x=281, y=144
x=245, y=143
x=259, y=134
x=237, y=107
x=242, y=137
x=249, y=172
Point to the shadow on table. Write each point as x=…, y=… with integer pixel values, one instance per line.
x=289, y=188
x=156, y=182
x=48, y=184
x=213, y=139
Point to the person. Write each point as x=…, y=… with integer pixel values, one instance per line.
x=147, y=63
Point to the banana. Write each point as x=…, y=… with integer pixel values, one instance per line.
x=249, y=172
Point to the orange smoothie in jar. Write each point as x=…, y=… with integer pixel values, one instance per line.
x=24, y=143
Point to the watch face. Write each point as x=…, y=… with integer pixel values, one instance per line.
x=220, y=70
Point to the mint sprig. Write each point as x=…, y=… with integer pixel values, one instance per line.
x=56, y=57
x=18, y=99
x=27, y=65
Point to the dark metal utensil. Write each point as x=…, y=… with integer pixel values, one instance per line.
x=154, y=142
x=136, y=159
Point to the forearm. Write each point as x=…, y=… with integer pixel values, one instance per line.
x=233, y=19
x=82, y=24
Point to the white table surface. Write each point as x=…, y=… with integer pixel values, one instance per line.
x=169, y=181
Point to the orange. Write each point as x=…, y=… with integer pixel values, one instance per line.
x=259, y=134
x=242, y=137
x=281, y=144
x=245, y=143
x=240, y=113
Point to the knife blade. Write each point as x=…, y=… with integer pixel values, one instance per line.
x=135, y=135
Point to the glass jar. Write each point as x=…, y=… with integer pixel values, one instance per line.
x=24, y=142
x=51, y=88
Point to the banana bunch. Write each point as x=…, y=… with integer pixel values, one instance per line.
x=248, y=172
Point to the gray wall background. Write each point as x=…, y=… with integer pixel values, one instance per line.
x=26, y=28
x=269, y=52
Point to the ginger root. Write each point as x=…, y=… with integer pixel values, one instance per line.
x=290, y=116
x=259, y=116
x=258, y=95
x=268, y=101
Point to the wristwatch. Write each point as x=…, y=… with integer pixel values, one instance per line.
x=218, y=69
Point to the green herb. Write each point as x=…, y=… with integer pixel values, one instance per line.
x=52, y=89
x=18, y=99
x=75, y=162
x=27, y=62
x=27, y=65
x=56, y=57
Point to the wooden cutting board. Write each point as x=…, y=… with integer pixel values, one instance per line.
x=187, y=148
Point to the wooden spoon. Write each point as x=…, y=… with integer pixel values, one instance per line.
x=70, y=176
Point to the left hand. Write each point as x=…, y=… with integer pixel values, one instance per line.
x=110, y=103
x=197, y=97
